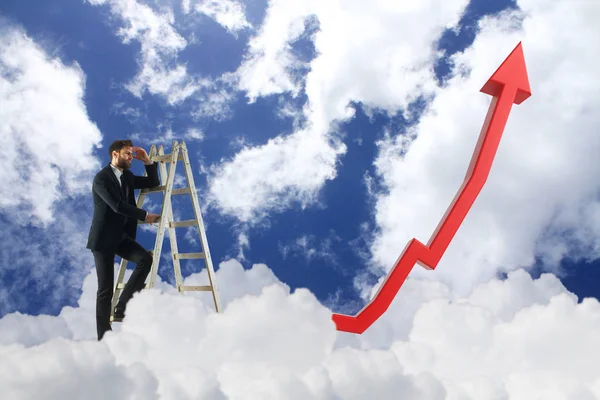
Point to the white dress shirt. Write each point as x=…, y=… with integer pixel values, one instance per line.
x=118, y=174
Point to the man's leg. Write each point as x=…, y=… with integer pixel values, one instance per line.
x=132, y=251
x=105, y=271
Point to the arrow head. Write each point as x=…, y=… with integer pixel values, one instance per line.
x=511, y=72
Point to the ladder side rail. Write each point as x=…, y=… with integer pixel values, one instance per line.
x=161, y=225
x=172, y=233
x=201, y=230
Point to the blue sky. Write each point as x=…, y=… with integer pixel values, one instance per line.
x=85, y=34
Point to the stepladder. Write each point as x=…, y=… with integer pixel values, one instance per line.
x=178, y=154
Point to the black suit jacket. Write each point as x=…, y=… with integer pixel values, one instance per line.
x=114, y=215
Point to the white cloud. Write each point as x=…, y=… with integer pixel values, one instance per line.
x=287, y=110
x=194, y=134
x=47, y=145
x=516, y=339
x=47, y=136
x=540, y=198
x=269, y=65
x=62, y=369
x=215, y=102
x=227, y=13
x=308, y=247
x=31, y=330
x=381, y=56
x=519, y=359
x=272, y=177
x=504, y=299
x=159, y=72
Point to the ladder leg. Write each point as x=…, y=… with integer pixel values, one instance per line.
x=161, y=225
x=201, y=231
x=174, y=250
x=172, y=236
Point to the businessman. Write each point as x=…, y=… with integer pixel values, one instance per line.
x=114, y=227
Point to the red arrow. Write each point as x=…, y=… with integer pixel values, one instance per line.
x=508, y=85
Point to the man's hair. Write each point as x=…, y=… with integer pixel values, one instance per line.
x=117, y=145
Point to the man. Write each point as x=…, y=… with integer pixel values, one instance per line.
x=114, y=227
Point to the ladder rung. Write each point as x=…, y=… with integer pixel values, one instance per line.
x=195, y=288
x=188, y=256
x=162, y=188
x=153, y=189
x=146, y=222
x=185, y=190
x=179, y=224
x=164, y=158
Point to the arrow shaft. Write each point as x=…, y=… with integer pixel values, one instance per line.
x=386, y=293
x=477, y=173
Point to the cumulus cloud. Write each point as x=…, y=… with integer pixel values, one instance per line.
x=516, y=339
x=88, y=368
x=47, y=146
x=160, y=72
x=260, y=180
x=227, y=13
x=270, y=62
x=47, y=136
x=381, y=56
x=540, y=198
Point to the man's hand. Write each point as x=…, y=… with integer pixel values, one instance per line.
x=140, y=154
x=151, y=218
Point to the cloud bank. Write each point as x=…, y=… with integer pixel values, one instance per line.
x=518, y=339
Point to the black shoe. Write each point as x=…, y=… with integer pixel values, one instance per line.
x=119, y=314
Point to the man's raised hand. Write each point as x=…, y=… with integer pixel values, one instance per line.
x=140, y=154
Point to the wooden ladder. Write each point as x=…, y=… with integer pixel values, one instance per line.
x=179, y=153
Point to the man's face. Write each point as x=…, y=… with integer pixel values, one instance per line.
x=125, y=157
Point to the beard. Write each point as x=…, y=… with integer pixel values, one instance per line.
x=122, y=163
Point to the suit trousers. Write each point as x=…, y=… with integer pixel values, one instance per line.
x=129, y=250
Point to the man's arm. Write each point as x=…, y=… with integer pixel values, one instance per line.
x=111, y=197
x=150, y=181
